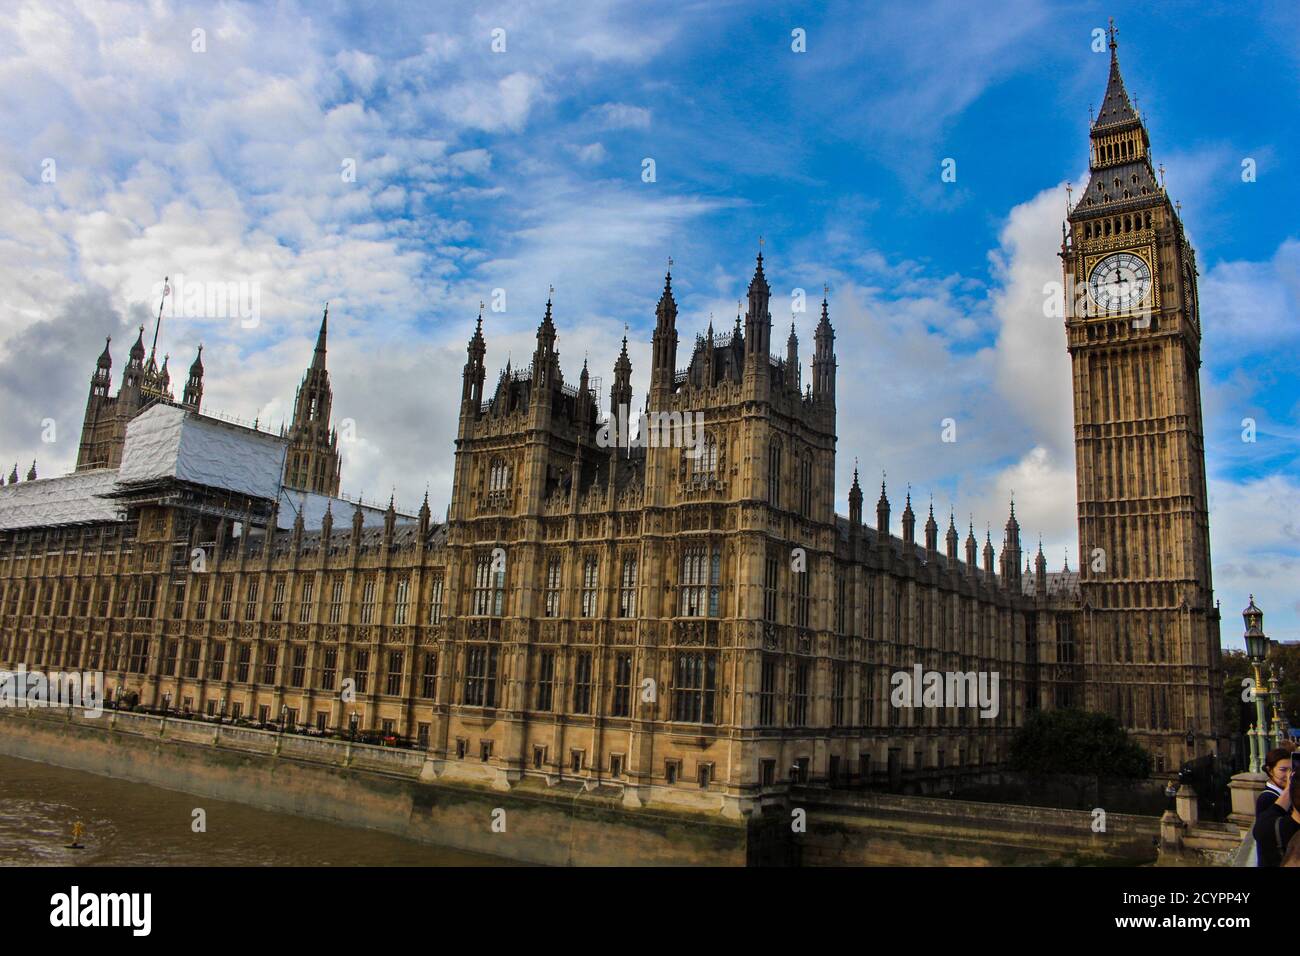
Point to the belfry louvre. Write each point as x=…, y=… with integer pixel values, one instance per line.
x=691, y=628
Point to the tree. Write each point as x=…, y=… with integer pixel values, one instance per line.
x=1076, y=741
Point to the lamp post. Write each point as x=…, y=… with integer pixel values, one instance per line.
x=284, y=716
x=352, y=724
x=1275, y=701
x=221, y=710
x=1256, y=650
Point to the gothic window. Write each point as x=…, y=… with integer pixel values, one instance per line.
x=394, y=687
x=243, y=662
x=498, y=478
x=144, y=602
x=842, y=605
x=217, y=666
x=277, y=600
x=489, y=586
x=481, y=676
x=805, y=487
x=797, y=702
x=582, y=683
x=705, y=459
x=552, y=590
x=361, y=671
x=546, y=680
x=589, y=582
x=839, y=683
x=802, y=598
x=250, y=606
x=336, y=600
x=627, y=588
x=367, y=600
x=767, y=691
x=771, y=573
x=435, y=601
x=774, y=474
x=401, y=601
x=298, y=667
x=701, y=582
x=269, y=661
x=304, y=610
x=429, y=678
x=694, y=682
x=622, y=685
x=329, y=669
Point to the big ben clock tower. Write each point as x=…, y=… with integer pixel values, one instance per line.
x=1149, y=623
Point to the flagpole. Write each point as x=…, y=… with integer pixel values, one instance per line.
x=154, y=348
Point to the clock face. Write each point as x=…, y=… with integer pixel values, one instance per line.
x=1120, y=282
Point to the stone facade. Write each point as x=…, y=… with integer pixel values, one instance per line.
x=692, y=625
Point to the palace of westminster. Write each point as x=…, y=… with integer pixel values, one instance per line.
x=693, y=627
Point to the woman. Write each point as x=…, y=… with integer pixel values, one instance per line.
x=1277, y=765
x=1276, y=825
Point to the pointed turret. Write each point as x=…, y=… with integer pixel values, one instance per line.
x=424, y=516
x=1115, y=106
x=882, y=517
x=546, y=359
x=792, y=360
x=951, y=540
x=620, y=395
x=855, y=502
x=989, y=573
x=192, y=397
x=471, y=393
x=327, y=527
x=312, y=462
x=1011, y=552
x=931, y=536
x=1120, y=158
x=1040, y=570
x=972, y=552
x=758, y=321
x=909, y=527
x=824, y=357
x=133, y=375
x=663, y=363
x=318, y=356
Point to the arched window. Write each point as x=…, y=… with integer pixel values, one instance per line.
x=590, y=581
x=701, y=582
x=552, y=589
x=705, y=460
x=774, y=474
x=627, y=588
x=805, y=486
x=498, y=476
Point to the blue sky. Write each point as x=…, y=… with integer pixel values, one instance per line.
x=518, y=170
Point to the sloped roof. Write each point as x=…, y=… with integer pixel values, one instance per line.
x=49, y=502
x=170, y=442
x=313, y=508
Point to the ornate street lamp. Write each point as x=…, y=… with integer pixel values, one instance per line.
x=1256, y=650
x=352, y=724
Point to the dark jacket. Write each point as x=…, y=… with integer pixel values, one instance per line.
x=1266, y=799
x=1273, y=831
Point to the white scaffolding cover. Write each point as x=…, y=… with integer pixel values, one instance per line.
x=169, y=442
x=48, y=502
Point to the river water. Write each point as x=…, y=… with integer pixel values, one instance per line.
x=135, y=824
